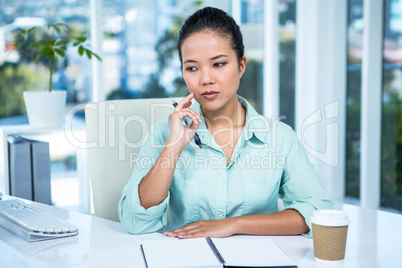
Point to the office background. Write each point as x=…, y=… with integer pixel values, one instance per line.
x=331, y=69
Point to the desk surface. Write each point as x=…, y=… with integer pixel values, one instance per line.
x=374, y=240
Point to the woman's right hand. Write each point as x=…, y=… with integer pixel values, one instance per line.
x=181, y=135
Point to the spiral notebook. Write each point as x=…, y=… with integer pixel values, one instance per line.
x=214, y=253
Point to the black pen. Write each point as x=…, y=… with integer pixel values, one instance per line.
x=196, y=138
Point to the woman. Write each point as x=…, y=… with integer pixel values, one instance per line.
x=232, y=184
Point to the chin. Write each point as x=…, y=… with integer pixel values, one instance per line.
x=211, y=105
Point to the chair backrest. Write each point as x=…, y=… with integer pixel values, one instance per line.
x=115, y=131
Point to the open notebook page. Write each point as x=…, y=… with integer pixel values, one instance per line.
x=249, y=252
x=180, y=253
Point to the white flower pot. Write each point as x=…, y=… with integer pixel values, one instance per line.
x=45, y=109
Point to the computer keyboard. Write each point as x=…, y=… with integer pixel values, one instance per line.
x=31, y=223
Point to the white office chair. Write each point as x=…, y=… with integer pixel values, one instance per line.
x=115, y=130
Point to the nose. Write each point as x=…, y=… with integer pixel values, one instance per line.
x=207, y=77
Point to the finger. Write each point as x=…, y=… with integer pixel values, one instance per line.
x=187, y=112
x=192, y=235
x=182, y=234
x=169, y=234
x=187, y=104
x=176, y=233
x=184, y=228
x=185, y=101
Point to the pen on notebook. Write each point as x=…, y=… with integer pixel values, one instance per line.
x=196, y=138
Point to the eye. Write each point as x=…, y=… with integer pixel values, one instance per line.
x=219, y=64
x=191, y=69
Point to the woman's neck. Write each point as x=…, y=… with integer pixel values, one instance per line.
x=230, y=116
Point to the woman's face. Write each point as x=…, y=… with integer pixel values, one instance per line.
x=211, y=69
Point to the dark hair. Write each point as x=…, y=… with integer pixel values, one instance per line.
x=215, y=20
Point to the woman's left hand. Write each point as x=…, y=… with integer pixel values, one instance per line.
x=204, y=228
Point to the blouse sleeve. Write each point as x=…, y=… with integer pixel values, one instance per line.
x=134, y=217
x=301, y=188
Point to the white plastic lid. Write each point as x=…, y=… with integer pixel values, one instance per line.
x=330, y=217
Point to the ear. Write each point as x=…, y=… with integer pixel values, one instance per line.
x=242, y=66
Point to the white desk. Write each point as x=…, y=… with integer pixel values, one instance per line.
x=374, y=240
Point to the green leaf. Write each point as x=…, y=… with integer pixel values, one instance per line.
x=62, y=26
x=46, y=51
x=59, y=52
x=58, y=30
x=96, y=56
x=81, y=50
x=51, y=55
x=88, y=52
x=33, y=46
x=59, y=42
x=43, y=43
x=18, y=36
x=59, y=27
x=38, y=56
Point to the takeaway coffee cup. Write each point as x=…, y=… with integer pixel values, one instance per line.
x=330, y=229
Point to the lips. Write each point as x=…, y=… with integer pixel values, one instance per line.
x=210, y=94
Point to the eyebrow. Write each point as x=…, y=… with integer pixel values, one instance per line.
x=213, y=58
x=219, y=56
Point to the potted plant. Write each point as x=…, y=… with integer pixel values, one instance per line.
x=46, y=45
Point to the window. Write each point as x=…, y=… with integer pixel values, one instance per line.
x=140, y=56
x=287, y=61
x=139, y=50
x=391, y=134
x=252, y=27
x=391, y=92
x=19, y=72
x=353, y=98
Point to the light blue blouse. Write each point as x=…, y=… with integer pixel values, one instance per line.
x=268, y=161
